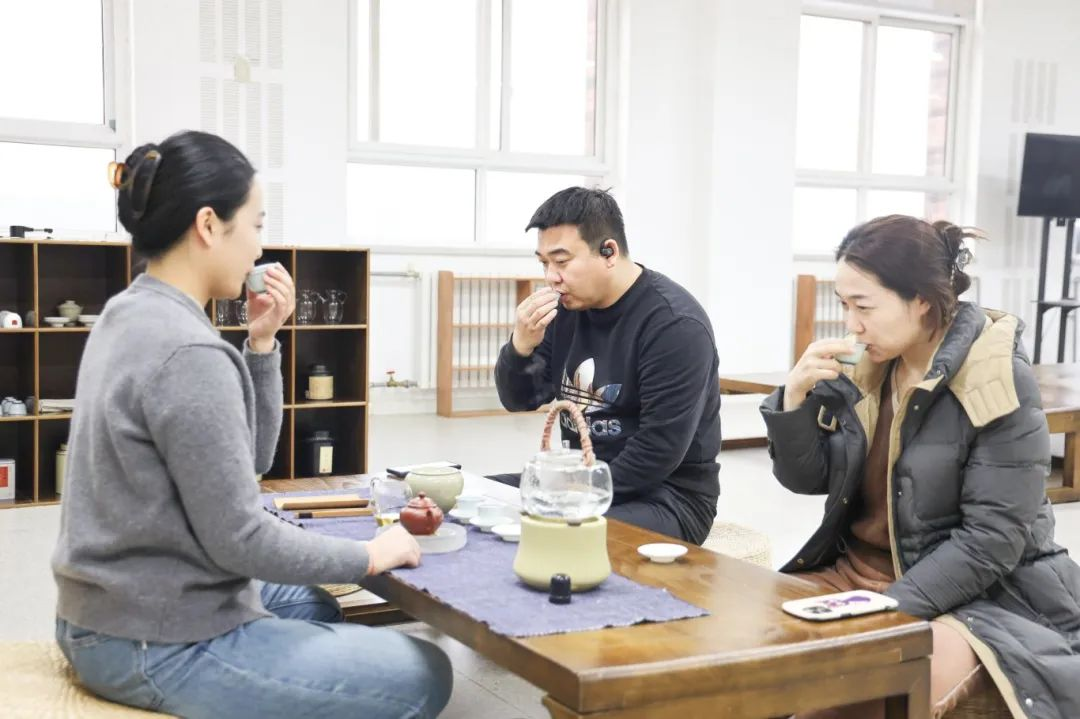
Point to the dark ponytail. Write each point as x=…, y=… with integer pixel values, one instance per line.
x=162, y=187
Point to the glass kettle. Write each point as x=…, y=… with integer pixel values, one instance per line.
x=566, y=484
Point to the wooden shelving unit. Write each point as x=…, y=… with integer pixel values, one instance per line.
x=475, y=318
x=38, y=275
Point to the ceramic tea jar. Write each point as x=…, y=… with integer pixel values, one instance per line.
x=320, y=383
x=318, y=457
x=421, y=515
x=61, y=467
x=442, y=484
x=69, y=309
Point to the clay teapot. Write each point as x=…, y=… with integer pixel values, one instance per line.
x=421, y=515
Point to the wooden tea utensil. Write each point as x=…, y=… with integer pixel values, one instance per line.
x=325, y=501
x=325, y=513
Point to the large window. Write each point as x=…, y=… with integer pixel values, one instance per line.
x=877, y=104
x=466, y=115
x=58, y=127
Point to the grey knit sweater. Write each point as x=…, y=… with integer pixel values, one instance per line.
x=162, y=528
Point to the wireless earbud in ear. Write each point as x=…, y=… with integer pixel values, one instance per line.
x=607, y=251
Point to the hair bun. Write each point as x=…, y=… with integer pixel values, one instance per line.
x=142, y=180
x=134, y=179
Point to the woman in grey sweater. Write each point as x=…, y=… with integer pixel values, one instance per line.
x=177, y=592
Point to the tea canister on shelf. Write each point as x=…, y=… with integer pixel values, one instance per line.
x=319, y=454
x=7, y=479
x=320, y=383
x=61, y=467
x=69, y=309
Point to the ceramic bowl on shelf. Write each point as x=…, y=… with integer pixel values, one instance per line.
x=56, y=321
x=88, y=320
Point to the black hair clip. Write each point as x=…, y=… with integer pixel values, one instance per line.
x=963, y=257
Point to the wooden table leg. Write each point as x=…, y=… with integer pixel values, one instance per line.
x=558, y=710
x=1068, y=424
x=916, y=703
x=1070, y=473
x=1069, y=491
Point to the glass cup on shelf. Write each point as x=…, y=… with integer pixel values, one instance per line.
x=241, y=312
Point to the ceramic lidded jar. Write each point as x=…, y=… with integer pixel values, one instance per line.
x=69, y=309
x=442, y=484
x=421, y=515
x=320, y=383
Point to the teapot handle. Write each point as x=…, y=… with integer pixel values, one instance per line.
x=565, y=405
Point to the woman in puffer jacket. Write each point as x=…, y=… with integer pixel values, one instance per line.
x=933, y=450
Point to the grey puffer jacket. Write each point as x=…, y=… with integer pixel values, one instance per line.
x=971, y=529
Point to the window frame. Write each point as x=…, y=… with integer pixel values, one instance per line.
x=482, y=160
x=113, y=133
x=955, y=181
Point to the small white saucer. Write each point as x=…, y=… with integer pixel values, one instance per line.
x=509, y=532
x=487, y=524
x=461, y=516
x=661, y=552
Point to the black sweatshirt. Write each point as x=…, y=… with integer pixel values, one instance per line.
x=644, y=372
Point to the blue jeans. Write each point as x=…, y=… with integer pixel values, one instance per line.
x=302, y=663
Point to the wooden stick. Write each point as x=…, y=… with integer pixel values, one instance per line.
x=325, y=513
x=326, y=501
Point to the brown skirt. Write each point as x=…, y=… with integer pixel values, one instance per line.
x=956, y=673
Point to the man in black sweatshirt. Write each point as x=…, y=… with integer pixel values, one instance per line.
x=635, y=351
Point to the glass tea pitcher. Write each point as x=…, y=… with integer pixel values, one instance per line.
x=307, y=306
x=562, y=483
x=335, y=306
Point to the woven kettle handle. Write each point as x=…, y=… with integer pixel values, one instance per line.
x=565, y=405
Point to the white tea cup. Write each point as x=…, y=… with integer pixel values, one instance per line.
x=468, y=503
x=490, y=511
x=255, y=281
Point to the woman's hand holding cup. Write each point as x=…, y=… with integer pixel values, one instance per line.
x=819, y=363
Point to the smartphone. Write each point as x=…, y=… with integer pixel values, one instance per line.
x=837, y=606
x=404, y=470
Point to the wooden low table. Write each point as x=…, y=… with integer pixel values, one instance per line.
x=746, y=659
x=1059, y=385
x=753, y=383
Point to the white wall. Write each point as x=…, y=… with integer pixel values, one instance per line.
x=753, y=178
x=664, y=186
x=1030, y=59
x=167, y=72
